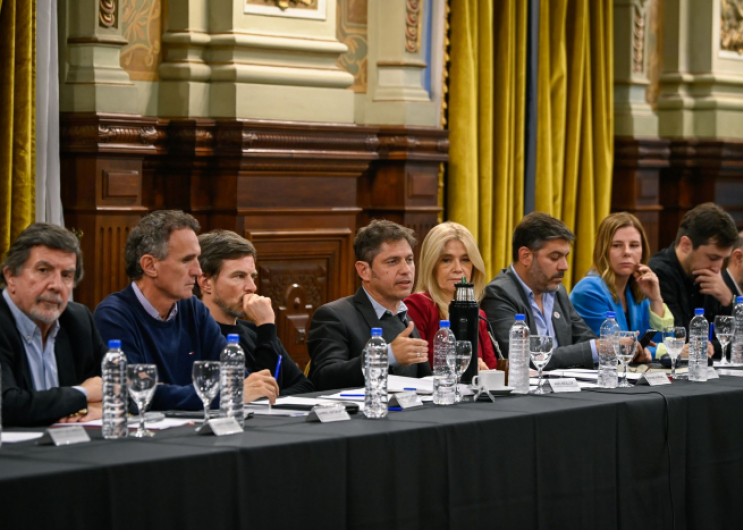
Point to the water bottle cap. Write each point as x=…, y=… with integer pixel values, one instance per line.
x=114, y=343
x=739, y=300
x=699, y=311
x=233, y=338
x=444, y=324
x=611, y=314
x=376, y=332
x=520, y=317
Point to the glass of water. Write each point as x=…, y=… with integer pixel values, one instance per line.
x=206, y=382
x=674, y=340
x=540, y=350
x=724, y=328
x=459, y=360
x=625, y=344
x=141, y=379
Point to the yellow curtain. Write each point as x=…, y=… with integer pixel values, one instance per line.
x=575, y=134
x=485, y=187
x=18, y=117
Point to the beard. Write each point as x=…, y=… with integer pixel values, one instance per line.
x=47, y=316
x=540, y=281
x=235, y=310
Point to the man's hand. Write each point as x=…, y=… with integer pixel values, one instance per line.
x=94, y=388
x=95, y=412
x=481, y=365
x=260, y=384
x=408, y=350
x=258, y=309
x=712, y=283
x=642, y=355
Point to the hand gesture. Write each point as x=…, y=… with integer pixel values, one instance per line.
x=408, y=350
x=712, y=283
x=258, y=309
x=648, y=283
x=94, y=388
x=260, y=384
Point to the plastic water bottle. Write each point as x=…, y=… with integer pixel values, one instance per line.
x=113, y=368
x=607, y=354
x=231, y=380
x=736, y=356
x=518, y=356
x=698, y=336
x=376, y=368
x=444, y=378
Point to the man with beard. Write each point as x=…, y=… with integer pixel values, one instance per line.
x=227, y=287
x=689, y=271
x=158, y=319
x=50, y=350
x=532, y=286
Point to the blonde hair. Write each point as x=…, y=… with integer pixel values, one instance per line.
x=601, y=265
x=433, y=248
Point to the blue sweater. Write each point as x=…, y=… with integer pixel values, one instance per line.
x=173, y=346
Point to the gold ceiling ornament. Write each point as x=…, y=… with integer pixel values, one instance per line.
x=638, y=38
x=107, y=13
x=412, y=25
x=731, y=25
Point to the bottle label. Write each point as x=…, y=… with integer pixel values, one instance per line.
x=568, y=384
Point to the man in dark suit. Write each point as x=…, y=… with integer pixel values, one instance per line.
x=340, y=329
x=50, y=350
x=532, y=286
x=733, y=274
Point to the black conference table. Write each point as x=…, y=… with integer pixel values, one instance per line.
x=593, y=460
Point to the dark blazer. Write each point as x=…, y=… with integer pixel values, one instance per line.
x=730, y=282
x=338, y=333
x=505, y=298
x=79, y=351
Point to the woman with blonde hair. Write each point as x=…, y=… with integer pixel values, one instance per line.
x=448, y=254
x=621, y=281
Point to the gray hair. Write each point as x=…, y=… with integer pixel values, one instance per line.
x=42, y=235
x=152, y=235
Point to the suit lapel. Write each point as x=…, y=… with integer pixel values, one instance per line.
x=65, y=360
x=559, y=319
x=364, y=307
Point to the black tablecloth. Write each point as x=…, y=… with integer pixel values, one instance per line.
x=593, y=460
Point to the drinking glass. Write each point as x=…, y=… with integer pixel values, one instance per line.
x=459, y=361
x=625, y=344
x=724, y=328
x=142, y=382
x=540, y=351
x=674, y=339
x=206, y=382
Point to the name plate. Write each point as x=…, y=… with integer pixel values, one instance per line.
x=568, y=384
x=64, y=436
x=405, y=400
x=328, y=413
x=656, y=378
x=221, y=427
x=712, y=374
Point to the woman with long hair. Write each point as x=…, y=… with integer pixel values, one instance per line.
x=448, y=254
x=621, y=281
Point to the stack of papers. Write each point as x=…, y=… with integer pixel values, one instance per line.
x=15, y=437
x=167, y=423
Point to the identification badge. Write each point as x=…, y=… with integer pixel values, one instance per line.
x=712, y=374
x=567, y=384
x=328, y=413
x=656, y=378
x=221, y=427
x=64, y=436
x=405, y=400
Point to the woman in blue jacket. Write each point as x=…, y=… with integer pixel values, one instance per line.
x=621, y=281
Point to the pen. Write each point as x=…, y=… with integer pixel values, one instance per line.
x=413, y=389
x=352, y=395
x=395, y=409
x=278, y=365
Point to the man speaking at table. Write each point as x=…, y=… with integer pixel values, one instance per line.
x=157, y=317
x=340, y=329
x=227, y=287
x=50, y=350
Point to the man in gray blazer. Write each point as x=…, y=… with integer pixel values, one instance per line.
x=532, y=286
x=340, y=329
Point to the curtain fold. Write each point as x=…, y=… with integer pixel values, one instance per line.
x=17, y=121
x=575, y=135
x=485, y=187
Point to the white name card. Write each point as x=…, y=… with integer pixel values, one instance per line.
x=656, y=378
x=567, y=384
x=64, y=436
x=712, y=374
x=405, y=400
x=221, y=427
x=328, y=413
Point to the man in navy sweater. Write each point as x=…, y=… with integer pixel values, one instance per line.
x=159, y=320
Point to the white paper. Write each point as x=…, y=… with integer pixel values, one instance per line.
x=591, y=375
x=398, y=383
x=167, y=423
x=260, y=410
x=294, y=400
x=15, y=437
x=730, y=373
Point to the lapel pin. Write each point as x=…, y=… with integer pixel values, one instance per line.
x=557, y=315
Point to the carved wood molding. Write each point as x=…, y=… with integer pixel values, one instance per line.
x=107, y=13
x=412, y=25
x=100, y=132
x=413, y=143
x=639, y=9
x=632, y=152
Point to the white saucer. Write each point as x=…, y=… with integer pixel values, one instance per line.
x=502, y=391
